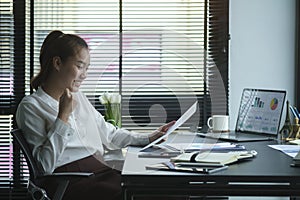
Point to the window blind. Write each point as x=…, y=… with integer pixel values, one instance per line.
x=13, y=173
x=6, y=92
x=157, y=54
x=217, y=59
x=6, y=55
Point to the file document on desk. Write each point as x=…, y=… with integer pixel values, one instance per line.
x=258, y=118
x=178, y=123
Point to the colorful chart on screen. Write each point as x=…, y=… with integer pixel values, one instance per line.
x=260, y=111
x=274, y=104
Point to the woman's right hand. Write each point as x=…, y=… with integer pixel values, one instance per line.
x=160, y=131
x=66, y=105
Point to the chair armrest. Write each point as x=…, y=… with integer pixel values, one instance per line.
x=71, y=174
x=67, y=175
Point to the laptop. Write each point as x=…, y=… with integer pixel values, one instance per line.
x=258, y=117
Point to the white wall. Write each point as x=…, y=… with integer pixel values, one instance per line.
x=261, y=49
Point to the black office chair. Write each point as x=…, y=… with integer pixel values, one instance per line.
x=36, y=173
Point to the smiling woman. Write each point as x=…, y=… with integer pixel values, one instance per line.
x=64, y=59
x=65, y=132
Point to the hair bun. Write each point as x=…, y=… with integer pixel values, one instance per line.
x=55, y=34
x=51, y=37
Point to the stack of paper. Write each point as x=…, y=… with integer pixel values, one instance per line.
x=191, y=147
x=168, y=150
x=178, y=167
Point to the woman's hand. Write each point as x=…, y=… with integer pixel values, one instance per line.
x=160, y=131
x=66, y=105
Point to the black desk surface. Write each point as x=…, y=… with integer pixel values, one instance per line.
x=269, y=172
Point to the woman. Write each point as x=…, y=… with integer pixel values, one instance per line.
x=66, y=133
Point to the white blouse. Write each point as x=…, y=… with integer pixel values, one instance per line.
x=55, y=143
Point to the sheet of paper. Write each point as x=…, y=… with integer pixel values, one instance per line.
x=297, y=141
x=198, y=146
x=290, y=150
x=178, y=123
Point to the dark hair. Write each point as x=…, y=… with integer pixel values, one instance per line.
x=56, y=44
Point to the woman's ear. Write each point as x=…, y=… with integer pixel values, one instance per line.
x=56, y=62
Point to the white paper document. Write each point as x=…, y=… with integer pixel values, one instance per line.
x=178, y=123
x=290, y=150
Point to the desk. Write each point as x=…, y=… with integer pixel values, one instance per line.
x=268, y=174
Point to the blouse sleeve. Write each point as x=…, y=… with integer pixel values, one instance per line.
x=115, y=138
x=47, y=143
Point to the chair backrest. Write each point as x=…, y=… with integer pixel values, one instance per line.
x=34, y=168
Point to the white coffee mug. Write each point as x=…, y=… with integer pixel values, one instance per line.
x=218, y=123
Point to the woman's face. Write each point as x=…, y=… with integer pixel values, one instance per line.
x=74, y=70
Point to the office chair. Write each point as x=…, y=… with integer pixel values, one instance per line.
x=36, y=172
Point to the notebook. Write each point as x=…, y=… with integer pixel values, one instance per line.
x=258, y=117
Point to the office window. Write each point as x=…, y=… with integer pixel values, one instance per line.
x=13, y=169
x=161, y=56
x=6, y=90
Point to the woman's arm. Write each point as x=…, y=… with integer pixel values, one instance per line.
x=114, y=138
x=46, y=134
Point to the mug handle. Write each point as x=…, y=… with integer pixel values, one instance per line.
x=208, y=122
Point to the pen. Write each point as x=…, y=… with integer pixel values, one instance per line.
x=294, y=112
x=295, y=165
x=186, y=164
x=297, y=112
x=218, y=169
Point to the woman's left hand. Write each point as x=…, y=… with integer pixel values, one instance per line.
x=160, y=131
